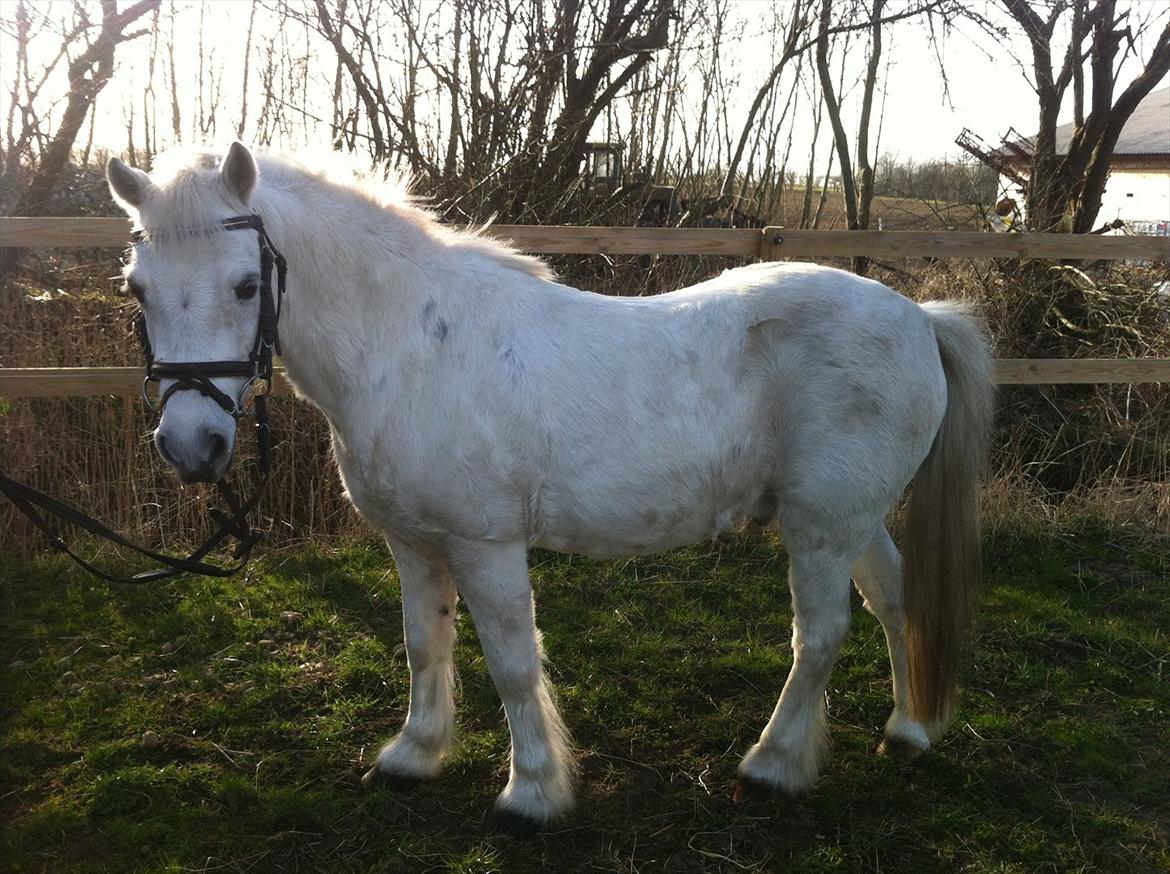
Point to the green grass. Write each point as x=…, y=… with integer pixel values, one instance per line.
x=191, y=727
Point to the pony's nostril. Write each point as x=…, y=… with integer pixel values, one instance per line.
x=217, y=448
x=161, y=442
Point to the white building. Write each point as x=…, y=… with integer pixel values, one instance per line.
x=1138, y=189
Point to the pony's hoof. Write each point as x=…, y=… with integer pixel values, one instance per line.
x=389, y=780
x=899, y=750
x=747, y=789
x=517, y=825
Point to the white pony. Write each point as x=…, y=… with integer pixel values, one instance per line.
x=479, y=408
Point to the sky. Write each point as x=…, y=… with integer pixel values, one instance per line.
x=987, y=91
x=922, y=118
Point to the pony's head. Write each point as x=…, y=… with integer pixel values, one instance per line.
x=197, y=284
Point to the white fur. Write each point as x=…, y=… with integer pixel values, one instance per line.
x=480, y=408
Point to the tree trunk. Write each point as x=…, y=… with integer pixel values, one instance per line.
x=88, y=75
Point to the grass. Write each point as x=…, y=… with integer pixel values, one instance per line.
x=220, y=725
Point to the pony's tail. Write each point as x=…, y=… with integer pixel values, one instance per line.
x=941, y=541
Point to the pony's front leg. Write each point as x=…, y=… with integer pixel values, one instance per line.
x=493, y=580
x=428, y=621
x=788, y=754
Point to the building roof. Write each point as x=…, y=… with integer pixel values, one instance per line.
x=1147, y=132
x=1144, y=143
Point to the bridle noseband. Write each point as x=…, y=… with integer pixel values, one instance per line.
x=193, y=376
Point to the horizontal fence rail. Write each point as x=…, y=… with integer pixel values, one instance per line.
x=62, y=382
x=770, y=243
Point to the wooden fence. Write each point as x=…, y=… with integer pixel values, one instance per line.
x=771, y=243
x=767, y=244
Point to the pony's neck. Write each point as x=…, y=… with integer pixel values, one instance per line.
x=352, y=266
x=369, y=280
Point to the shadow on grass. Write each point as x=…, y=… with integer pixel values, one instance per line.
x=223, y=723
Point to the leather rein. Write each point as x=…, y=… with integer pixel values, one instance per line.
x=191, y=376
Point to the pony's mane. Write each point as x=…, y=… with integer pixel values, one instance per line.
x=188, y=178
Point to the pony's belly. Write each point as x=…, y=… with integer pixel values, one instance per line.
x=685, y=488
x=607, y=532
x=602, y=544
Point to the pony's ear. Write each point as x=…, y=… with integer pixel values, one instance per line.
x=127, y=184
x=239, y=171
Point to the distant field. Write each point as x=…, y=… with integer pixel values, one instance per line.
x=191, y=727
x=891, y=213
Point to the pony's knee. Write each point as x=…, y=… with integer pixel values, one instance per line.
x=429, y=657
x=821, y=642
x=878, y=577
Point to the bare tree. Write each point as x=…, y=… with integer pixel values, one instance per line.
x=856, y=192
x=88, y=74
x=1064, y=190
x=799, y=22
x=622, y=34
x=176, y=115
x=247, y=63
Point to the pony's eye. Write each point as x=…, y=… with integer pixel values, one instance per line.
x=134, y=289
x=247, y=289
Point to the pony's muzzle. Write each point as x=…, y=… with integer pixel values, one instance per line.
x=202, y=455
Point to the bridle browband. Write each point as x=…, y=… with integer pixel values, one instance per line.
x=191, y=376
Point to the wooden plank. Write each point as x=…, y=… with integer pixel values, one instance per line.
x=567, y=240
x=65, y=382
x=1053, y=371
x=64, y=233
x=57, y=382
x=791, y=243
x=86, y=232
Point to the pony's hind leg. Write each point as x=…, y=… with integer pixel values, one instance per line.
x=877, y=573
x=493, y=580
x=428, y=620
x=790, y=748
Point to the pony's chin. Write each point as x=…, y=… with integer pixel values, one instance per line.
x=202, y=475
x=208, y=472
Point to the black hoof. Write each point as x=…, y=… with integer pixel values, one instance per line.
x=899, y=750
x=389, y=780
x=517, y=825
x=747, y=789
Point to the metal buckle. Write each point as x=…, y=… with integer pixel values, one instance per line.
x=258, y=386
x=151, y=405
